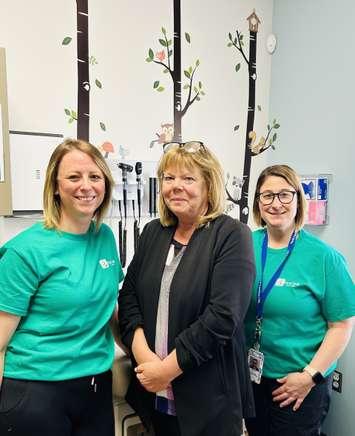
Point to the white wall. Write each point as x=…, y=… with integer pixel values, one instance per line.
x=313, y=94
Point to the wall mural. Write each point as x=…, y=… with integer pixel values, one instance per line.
x=238, y=195
x=172, y=49
x=168, y=57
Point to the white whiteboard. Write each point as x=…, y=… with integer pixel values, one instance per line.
x=29, y=156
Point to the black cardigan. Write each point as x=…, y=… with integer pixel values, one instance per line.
x=209, y=296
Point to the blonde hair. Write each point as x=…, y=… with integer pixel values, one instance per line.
x=291, y=177
x=212, y=174
x=51, y=201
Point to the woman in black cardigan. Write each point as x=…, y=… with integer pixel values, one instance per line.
x=183, y=303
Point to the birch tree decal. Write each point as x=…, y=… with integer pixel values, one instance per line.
x=238, y=193
x=83, y=69
x=171, y=50
x=82, y=114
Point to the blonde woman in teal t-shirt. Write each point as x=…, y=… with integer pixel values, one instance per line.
x=301, y=315
x=58, y=290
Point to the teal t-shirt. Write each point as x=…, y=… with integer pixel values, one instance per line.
x=314, y=287
x=64, y=286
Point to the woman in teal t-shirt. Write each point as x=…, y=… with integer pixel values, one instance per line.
x=58, y=290
x=300, y=317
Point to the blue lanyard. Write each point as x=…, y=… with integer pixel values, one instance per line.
x=262, y=293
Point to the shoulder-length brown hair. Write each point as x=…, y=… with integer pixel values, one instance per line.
x=291, y=177
x=51, y=201
x=212, y=173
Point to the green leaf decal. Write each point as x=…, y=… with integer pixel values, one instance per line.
x=98, y=83
x=259, y=107
x=103, y=127
x=276, y=126
x=230, y=36
x=170, y=42
x=273, y=147
x=163, y=31
x=149, y=60
x=200, y=85
x=151, y=54
x=229, y=44
x=70, y=120
x=156, y=84
x=236, y=127
x=162, y=42
x=237, y=67
x=268, y=126
x=274, y=137
x=66, y=40
x=186, y=86
x=187, y=74
x=202, y=93
x=187, y=36
x=67, y=111
x=160, y=89
x=165, y=71
x=197, y=62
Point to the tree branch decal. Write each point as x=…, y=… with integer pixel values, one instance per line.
x=253, y=147
x=82, y=114
x=83, y=70
x=171, y=48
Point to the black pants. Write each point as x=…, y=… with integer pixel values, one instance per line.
x=77, y=407
x=272, y=420
x=165, y=425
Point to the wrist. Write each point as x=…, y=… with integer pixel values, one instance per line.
x=170, y=367
x=316, y=376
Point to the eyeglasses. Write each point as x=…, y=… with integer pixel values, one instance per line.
x=189, y=147
x=285, y=197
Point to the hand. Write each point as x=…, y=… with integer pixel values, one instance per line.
x=295, y=387
x=152, y=375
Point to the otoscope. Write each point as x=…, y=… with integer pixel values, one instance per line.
x=136, y=231
x=125, y=168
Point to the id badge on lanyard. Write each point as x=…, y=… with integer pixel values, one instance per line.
x=255, y=356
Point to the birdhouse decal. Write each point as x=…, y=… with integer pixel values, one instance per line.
x=253, y=22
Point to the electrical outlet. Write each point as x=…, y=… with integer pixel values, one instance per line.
x=337, y=382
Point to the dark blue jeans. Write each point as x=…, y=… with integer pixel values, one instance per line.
x=77, y=407
x=272, y=420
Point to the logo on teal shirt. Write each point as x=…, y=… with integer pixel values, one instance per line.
x=283, y=282
x=106, y=263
